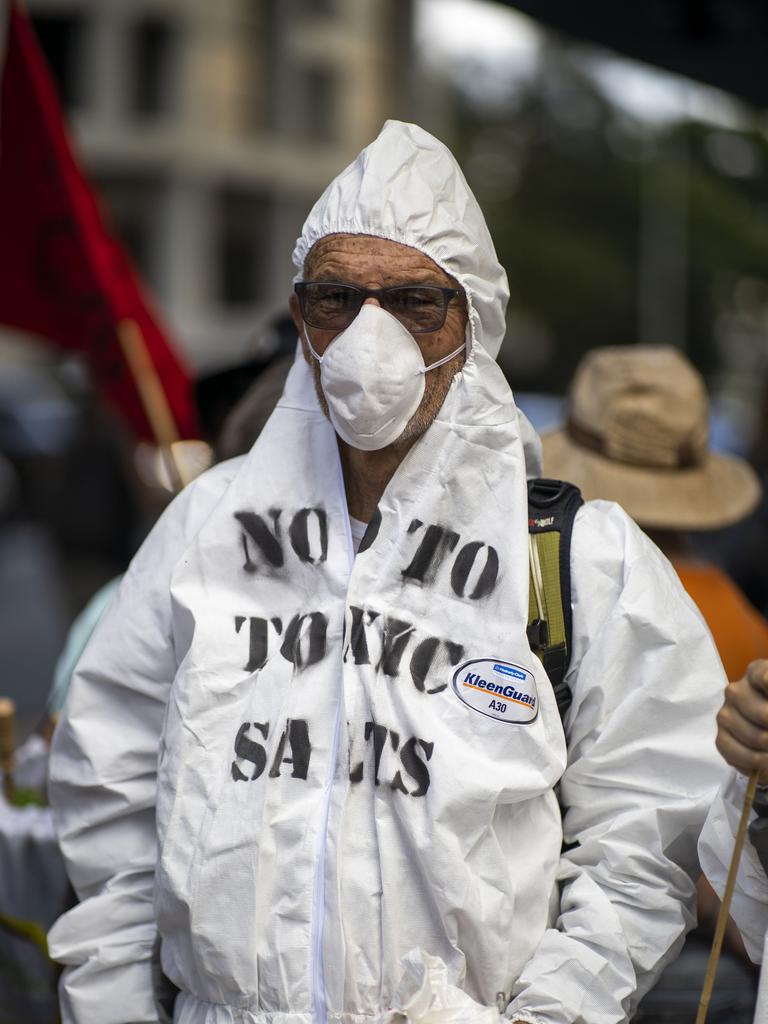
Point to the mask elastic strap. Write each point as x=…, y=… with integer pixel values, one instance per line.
x=445, y=359
x=318, y=357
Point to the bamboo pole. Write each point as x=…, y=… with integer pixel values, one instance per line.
x=153, y=397
x=725, y=906
x=7, y=744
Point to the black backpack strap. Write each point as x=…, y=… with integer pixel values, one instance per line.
x=552, y=508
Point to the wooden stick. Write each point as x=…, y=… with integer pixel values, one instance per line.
x=725, y=906
x=7, y=744
x=152, y=395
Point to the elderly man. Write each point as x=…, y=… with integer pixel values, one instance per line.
x=285, y=761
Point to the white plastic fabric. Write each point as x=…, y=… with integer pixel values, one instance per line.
x=749, y=906
x=344, y=831
x=435, y=1000
x=407, y=187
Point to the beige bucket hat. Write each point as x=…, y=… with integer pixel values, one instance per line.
x=637, y=434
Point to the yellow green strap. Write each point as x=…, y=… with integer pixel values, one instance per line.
x=548, y=547
x=29, y=930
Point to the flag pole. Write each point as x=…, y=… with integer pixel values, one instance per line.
x=153, y=397
x=7, y=745
x=725, y=906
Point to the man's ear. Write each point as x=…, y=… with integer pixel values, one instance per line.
x=293, y=304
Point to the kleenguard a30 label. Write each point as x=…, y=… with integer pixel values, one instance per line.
x=497, y=689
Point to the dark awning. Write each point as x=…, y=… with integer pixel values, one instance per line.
x=719, y=42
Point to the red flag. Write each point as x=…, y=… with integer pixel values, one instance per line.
x=62, y=275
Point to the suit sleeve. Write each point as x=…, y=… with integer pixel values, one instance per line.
x=642, y=771
x=103, y=774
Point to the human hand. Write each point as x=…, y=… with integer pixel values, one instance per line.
x=742, y=722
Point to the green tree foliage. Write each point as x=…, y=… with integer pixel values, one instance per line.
x=610, y=229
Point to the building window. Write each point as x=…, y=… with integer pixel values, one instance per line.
x=317, y=120
x=244, y=236
x=61, y=40
x=153, y=74
x=267, y=67
x=314, y=8
x=297, y=100
x=133, y=206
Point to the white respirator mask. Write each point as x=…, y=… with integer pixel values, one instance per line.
x=372, y=376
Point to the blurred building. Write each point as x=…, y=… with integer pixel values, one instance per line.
x=210, y=128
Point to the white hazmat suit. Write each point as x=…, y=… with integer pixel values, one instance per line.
x=327, y=780
x=749, y=906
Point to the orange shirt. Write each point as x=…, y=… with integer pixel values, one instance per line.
x=740, y=631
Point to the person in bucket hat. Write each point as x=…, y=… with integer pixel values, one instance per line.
x=637, y=433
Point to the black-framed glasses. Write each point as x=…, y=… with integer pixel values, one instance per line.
x=332, y=306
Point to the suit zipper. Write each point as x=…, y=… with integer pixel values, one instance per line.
x=319, y=1004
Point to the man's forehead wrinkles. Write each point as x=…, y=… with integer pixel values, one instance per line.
x=376, y=269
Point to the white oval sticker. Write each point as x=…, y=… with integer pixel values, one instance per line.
x=497, y=689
